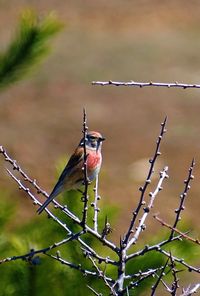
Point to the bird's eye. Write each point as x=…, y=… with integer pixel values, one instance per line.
x=92, y=138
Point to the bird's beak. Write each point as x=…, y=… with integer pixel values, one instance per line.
x=102, y=139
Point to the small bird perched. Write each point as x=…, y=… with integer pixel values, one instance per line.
x=72, y=176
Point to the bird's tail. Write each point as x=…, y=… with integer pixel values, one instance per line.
x=45, y=204
x=57, y=189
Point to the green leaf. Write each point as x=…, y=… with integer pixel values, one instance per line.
x=28, y=48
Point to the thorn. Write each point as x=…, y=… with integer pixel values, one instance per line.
x=193, y=162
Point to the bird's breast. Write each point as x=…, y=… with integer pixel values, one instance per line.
x=93, y=160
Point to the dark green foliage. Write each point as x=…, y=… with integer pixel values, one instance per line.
x=29, y=46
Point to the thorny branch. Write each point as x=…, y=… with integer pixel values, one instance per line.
x=146, y=84
x=163, y=175
x=19, y=169
x=183, y=197
x=179, y=260
x=163, y=223
x=102, y=275
x=147, y=182
x=142, y=276
x=189, y=291
x=72, y=265
x=148, y=248
x=29, y=256
x=159, y=278
x=123, y=283
x=86, y=182
x=77, y=267
x=174, y=271
x=93, y=290
x=125, y=247
x=36, y=202
x=95, y=205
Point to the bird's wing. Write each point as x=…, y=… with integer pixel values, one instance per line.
x=75, y=159
x=73, y=162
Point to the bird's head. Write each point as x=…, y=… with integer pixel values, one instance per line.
x=93, y=140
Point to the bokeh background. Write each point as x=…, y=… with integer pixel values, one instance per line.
x=41, y=117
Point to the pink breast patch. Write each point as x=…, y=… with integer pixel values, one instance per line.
x=93, y=160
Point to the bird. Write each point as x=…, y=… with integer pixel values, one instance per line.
x=72, y=177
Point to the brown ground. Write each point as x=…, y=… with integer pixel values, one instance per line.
x=40, y=118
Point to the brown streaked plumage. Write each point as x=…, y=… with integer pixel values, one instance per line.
x=72, y=176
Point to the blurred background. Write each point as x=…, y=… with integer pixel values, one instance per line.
x=41, y=117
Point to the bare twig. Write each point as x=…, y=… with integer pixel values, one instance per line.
x=102, y=275
x=168, y=289
x=85, y=193
x=124, y=247
x=143, y=273
x=19, y=169
x=36, y=202
x=147, y=182
x=78, y=267
x=143, y=276
x=196, y=241
x=183, y=197
x=189, y=291
x=95, y=205
x=72, y=265
x=33, y=252
x=93, y=290
x=127, y=242
x=27, y=178
x=159, y=278
x=121, y=269
x=174, y=271
x=179, y=260
x=144, y=84
x=148, y=248
x=88, y=252
x=163, y=175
